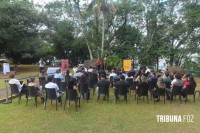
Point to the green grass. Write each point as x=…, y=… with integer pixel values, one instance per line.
x=101, y=117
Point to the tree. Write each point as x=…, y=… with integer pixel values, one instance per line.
x=20, y=25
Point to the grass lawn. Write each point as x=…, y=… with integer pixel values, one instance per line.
x=101, y=117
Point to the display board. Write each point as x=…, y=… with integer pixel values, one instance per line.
x=127, y=65
x=64, y=64
x=88, y=63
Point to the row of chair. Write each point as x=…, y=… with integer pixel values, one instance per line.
x=71, y=95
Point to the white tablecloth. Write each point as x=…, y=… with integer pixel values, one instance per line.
x=6, y=68
x=52, y=70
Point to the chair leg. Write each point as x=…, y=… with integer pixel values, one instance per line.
x=36, y=101
x=45, y=104
x=11, y=97
x=56, y=105
x=26, y=101
x=76, y=105
x=164, y=99
x=65, y=103
x=180, y=99
x=194, y=98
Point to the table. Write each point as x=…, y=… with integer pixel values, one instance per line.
x=52, y=70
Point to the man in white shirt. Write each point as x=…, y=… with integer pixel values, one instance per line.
x=41, y=65
x=21, y=87
x=59, y=75
x=52, y=85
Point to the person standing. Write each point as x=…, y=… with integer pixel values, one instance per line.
x=98, y=64
x=41, y=65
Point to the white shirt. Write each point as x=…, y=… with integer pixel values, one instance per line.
x=59, y=75
x=90, y=70
x=112, y=74
x=41, y=64
x=53, y=85
x=16, y=81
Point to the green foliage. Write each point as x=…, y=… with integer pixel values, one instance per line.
x=114, y=61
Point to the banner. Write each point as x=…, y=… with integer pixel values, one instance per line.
x=127, y=65
x=64, y=64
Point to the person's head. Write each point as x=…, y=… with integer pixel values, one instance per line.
x=12, y=75
x=186, y=75
x=192, y=81
x=103, y=76
x=158, y=76
x=50, y=78
x=177, y=76
x=32, y=79
x=129, y=74
x=113, y=71
x=122, y=77
x=166, y=73
x=57, y=71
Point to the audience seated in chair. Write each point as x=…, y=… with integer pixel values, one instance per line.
x=37, y=87
x=21, y=87
x=121, y=87
x=103, y=86
x=176, y=82
x=51, y=85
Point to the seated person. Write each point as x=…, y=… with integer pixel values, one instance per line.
x=176, y=82
x=160, y=85
x=38, y=88
x=103, y=83
x=52, y=85
x=21, y=87
x=122, y=83
x=142, y=86
x=58, y=75
x=189, y=82
x=71, y=85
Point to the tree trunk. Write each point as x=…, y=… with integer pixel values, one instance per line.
x=103, y=34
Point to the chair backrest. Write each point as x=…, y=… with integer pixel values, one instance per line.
x=176, y=90
x=57, y=81
x=111, y=79
x=190, y=90
x=122, y=90
x=144, y=87
x=14, y=89
x=32, y=91
x=41, y=80
x=63, y=86
x=168, y=85
x=103, y=90
x=116, y=79
x=71, y=94
x=51, y=93
x=67, y=78
x=161, y=92
x=130, y=81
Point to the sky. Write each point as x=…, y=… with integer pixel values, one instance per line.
x=42, y=2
